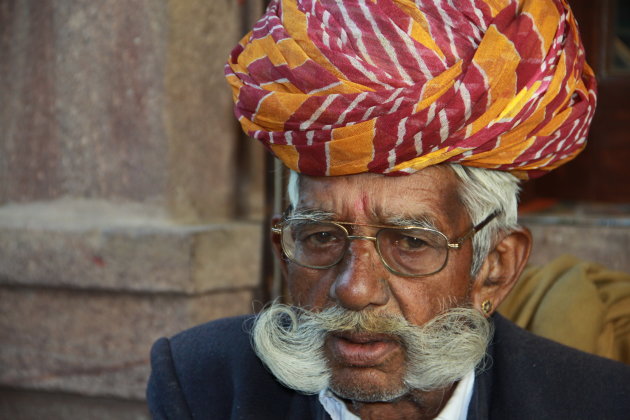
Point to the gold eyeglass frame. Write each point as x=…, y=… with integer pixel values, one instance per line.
x=457, y=244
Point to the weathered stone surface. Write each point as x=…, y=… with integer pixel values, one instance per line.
x=199, y=121
x=122, y=104
x=120, y=100
x=27, y=405
x=104, y=245
x=605, y=245
x=95, y=343
x=83, y=85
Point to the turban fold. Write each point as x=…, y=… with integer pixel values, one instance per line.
x=338, y=87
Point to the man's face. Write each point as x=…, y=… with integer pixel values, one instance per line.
x=360, y=282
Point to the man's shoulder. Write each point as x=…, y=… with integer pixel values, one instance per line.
x=212, y=371
x=533, y=372
x=217, y=350
x=519, y=345
x=225, y=337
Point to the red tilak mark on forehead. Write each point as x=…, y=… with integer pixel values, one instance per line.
x=362, y=203
x=366, y=201
x=358, y=205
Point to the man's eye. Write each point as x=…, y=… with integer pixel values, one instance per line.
x=321, y=238
x=411, y=243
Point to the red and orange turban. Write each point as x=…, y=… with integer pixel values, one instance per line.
x=337, y=87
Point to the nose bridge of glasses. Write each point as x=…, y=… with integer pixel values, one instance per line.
x=362, y=237
x=367, y=238
x=375, y=241
x=362, y=252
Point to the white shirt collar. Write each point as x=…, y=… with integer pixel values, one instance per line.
x=455, y=409
x=457, y=406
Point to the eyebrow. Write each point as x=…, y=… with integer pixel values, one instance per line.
x=312, y=213
x=423, y=221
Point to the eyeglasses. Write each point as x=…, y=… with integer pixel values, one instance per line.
x=408, y=251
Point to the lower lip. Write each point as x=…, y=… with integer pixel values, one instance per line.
x=360, y=354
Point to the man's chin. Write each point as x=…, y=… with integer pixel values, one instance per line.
x=364, y=391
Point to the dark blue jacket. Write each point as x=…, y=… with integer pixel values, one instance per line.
x=211, y=372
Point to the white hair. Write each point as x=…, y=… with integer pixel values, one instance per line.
x=482, y=191
x=291, y=343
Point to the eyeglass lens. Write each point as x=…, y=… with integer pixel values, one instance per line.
x=323, y=244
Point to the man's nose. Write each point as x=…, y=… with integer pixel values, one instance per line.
x=361, y=278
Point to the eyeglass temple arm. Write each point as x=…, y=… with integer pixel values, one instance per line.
x=476, y=228
x=276, y=228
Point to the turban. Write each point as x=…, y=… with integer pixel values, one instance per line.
x=338, y=87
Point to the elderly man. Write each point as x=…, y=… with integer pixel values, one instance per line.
x=394, y=280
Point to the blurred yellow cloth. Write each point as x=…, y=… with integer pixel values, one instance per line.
x=574, y=302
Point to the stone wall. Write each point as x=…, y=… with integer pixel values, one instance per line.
x=122, y=217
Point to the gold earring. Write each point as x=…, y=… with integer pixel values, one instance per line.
x=486, y=307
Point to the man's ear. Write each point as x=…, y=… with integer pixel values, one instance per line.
x=500, y=271
x=276, y=245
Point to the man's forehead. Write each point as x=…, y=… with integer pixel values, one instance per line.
x=428, y=195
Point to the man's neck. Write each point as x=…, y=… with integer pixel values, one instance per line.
x=417, y=405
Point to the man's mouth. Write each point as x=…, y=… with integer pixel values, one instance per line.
x=361, y=349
